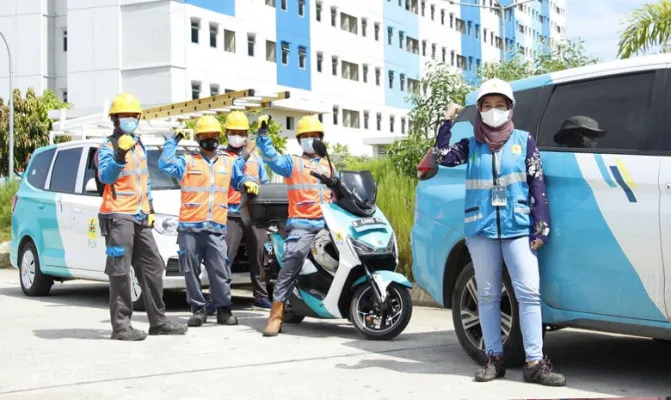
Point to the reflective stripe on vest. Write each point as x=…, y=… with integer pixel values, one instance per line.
x=131, y=187
x=251, y=170
x=205, y=189
x=480, y=215
x=306, y=194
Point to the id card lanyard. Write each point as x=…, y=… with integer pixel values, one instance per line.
x=499, y=192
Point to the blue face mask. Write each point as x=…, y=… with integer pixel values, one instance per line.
x=128, y=125
x=306, y=144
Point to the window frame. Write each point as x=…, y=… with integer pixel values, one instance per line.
x=46, y=175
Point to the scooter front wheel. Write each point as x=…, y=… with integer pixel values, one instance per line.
x=368, y=318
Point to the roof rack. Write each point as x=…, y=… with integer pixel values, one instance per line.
x=165, y=119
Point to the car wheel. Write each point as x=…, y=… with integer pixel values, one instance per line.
x=136, y=292
x=466, y=319
x=33, y=281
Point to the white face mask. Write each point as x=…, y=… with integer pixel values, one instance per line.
x=236, y=141
x=495, y=117
x=306, y=144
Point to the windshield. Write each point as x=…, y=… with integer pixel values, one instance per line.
x=161, y=180
x=361, y=185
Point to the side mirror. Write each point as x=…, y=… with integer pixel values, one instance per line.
x=320, y=148
x=91, y=186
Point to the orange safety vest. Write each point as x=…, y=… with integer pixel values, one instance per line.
x=306, y=193
x=251, y=170
x=129, y=194
x=205, y=189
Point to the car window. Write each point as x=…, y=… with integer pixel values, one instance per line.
x=160, y=180
x=524, y=103
x=64, y=173
x=620, y=106
x=39, y=168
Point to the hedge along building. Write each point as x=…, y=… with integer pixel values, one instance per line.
x=351, y=61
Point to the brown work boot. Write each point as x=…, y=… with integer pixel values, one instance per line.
x=274, y=326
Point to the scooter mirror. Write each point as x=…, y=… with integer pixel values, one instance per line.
x=320, y=148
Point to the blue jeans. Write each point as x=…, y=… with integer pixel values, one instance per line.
x=488, y=256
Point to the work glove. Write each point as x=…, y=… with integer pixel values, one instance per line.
x=179, y=135
x=126, y=142
x=251, y=187
x=264, y=123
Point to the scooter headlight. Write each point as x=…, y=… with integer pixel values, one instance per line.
x=166, y=224
x=364, y=249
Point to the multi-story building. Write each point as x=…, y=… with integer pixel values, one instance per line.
x=354, y=62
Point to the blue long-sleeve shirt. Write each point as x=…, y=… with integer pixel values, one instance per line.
x=457, y=154
x=284, y=165
x=234, y=209
x=109, y=170
x=175, y=166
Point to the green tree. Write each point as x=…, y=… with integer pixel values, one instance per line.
x=647, y=26
x=31, y=126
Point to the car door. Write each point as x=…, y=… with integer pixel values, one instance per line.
x=604, y=254
x=63, y=180
x=665, y=189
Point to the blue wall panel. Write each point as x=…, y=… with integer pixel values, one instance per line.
x=536, y=25
x=510, y=24
x=545, y=12
x=398, y=59
x=221, y=6
x=471, y=44
x=294, y=30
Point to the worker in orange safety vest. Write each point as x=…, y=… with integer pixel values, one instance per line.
x=126, y=221
x=205, y=181
x=306, y=195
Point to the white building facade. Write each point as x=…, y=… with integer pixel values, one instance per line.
x=353, y=62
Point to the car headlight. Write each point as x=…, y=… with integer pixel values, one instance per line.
x=166, y=224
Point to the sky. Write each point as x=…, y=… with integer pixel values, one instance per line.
x=597, y=23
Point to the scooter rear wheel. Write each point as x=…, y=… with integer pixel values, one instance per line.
x=367, y=318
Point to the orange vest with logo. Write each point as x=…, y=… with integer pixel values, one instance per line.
x=306, y=193
x=205, y=189
x=129, y=193
x=251, y=170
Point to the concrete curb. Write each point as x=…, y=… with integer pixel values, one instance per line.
x=421, y=298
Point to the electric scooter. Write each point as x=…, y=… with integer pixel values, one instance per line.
x=350, y=270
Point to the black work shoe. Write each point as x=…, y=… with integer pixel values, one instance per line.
x=492, y=369
x=198, y=318
x=542, y=373
x=225, y=317
x=129, y=334
x=169, y=328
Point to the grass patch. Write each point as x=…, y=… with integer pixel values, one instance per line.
x=7, y=191
x=396, y=199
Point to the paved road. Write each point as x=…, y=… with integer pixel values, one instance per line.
x=57, y=347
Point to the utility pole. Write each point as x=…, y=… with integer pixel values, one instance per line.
x=11, y=109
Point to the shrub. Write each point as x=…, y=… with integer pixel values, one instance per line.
x=7, y=191
x=396, y=199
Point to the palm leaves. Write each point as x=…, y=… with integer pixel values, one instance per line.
x=648, y=26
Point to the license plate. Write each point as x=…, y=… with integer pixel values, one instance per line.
x=365, y=222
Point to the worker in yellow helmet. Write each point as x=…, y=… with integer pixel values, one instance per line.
x=126, y=219
x=205, y=179
x=237, y=130
x=306, y=195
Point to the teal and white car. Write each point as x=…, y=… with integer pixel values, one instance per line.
x=55, y=233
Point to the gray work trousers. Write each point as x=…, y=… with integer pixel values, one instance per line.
x=208, y=248
x=298, y=245
x=255, y=238
x=130, y=243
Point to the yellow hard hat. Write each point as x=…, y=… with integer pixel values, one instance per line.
x=125, y=103
x=207, y=124
x=309, y=123
x=237, y=120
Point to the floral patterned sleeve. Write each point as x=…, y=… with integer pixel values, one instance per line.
x=443, y=153
x=540, y=213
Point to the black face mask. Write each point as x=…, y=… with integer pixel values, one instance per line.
x=209, y=144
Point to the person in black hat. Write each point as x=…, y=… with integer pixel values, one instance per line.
x=579, y=131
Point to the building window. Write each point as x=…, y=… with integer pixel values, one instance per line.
x=424, y=48
x=413, y=86
x=301, y=7
x=334, y=14
x=402, y=81
x=350, y=71
x=433, y=51
x=285, y=53
x=320, y=61
x=301, y=57
x=214, y=30
x=365, y=73
x=65, y=40
x=251, y=41
x=390, y=33
x=400, y=39
x=195, y=90
x=334, y=65
x=320, y=117
x=270, y=51
x=283, y=5
x=318, y=12
x=195, y=27
x=379, y=121
x=229, y=41
x=442, y=17
x=335, y=115
x=451, y=20
x=289, y=123
x=350, y=119
x=270, y=3
x=365, y=120
x=65, y=95
x=364, y=25
x=348, y=23
x=377, y=76
x=214, y=89
x=433, y=12
x=377, y=31
x=444, y=55
x=391, y=123
x=402, y=125
x=391, y=79
x=423, y=7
